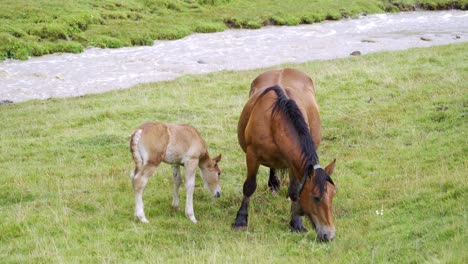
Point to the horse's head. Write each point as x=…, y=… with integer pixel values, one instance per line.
x=316, y=201
x=210, y=174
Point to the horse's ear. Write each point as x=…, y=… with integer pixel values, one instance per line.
x=218, y=158
x=329, y=169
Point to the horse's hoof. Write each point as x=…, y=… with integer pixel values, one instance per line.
x=297, y=228
x=274, y=192
x=239, y=227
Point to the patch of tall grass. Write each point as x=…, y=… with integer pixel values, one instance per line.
x=395, y=121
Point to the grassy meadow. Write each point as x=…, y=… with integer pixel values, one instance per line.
x=395, y=122
x=35, y=28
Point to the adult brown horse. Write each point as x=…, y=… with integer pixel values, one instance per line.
x=280, y=128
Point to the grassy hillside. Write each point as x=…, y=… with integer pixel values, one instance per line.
x=395, y=121
x=34, y=28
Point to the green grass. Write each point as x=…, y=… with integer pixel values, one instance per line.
x=395, y=121
x=34, y=28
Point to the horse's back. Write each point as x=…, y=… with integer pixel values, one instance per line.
x=172, y=143
x=154, y=138
x=297, y=85
x=286, y=78
x=185, y=143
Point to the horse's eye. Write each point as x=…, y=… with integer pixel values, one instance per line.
x=219, y=174
x=316, y=199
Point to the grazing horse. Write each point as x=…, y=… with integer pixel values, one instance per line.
x=156, y=142
x=279, y=127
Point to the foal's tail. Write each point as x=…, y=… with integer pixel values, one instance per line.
x=134, y=142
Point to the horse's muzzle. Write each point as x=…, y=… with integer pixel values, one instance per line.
x=217, y=194
x=326, y=236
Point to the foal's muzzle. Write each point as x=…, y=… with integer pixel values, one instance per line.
x=217, y=194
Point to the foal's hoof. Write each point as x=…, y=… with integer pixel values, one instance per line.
x=144, y=220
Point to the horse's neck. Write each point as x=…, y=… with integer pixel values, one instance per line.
x=294, y=153
x=298, y=157
x=203, y=160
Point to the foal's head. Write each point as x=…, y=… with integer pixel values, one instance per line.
x=316, y=201
x=210, y=174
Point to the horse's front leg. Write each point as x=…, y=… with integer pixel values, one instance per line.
x=177, y=180
x=295, y=224
x=250, y=185
x=190, y=170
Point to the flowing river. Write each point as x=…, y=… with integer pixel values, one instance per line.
x=99, y=70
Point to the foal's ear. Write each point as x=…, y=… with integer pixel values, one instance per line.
x=329, y=169
x=218, y=158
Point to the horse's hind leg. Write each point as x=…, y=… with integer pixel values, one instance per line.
x=177, y=179
x=273, y=182
x=250, y=185
x=139, y=181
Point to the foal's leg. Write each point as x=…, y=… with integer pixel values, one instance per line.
x=177, y=179
x=190, y=170
x=250, y=185
x=273, y=182
x=139, y=182
x=295, y=224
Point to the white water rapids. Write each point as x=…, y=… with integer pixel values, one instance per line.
x=99, y=70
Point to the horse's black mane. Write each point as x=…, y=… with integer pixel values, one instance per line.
x=309, y=154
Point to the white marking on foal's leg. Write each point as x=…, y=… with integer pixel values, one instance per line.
x=190, y=169
x=139, y=206
x=177, y=179
x=139, y=183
